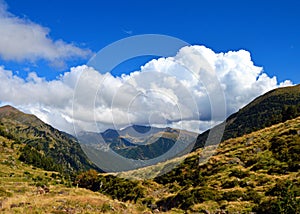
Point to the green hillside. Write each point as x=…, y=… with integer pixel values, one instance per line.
x=243, y=174
x=258, y=172
x=24, y=189
x=275, y=106
x=42, y=145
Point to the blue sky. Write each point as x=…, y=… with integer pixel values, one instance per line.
x=45, y=46
x=269, y=30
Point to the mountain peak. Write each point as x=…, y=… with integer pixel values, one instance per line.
x=110, y=133
x=7, y=109
x=11, y=113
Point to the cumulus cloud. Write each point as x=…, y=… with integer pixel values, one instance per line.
x=181, y=91
x=22, y=39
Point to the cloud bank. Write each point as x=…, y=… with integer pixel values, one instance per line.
x=165, y=92
x=22, y=39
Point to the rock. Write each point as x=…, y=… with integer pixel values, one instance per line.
x=257, y=150
x=40, y=190
x=46, y=189
x=249, y=141
x=13, y=205
x=89, y=207
x=71, y=210
x=63, y=193
x=152, y=206
x=235, y=161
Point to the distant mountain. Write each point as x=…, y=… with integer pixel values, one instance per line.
x=137, y=142
x=143, y=143
x=42, y=145
x=140, y=131
x=110, y=134
x=275, y=106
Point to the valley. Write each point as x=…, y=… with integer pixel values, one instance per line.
x=254, y=169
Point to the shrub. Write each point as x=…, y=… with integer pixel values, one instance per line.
x=252, y=195
x=286, y=148
x=284, y=199
x=119, y=188
x=106, y=208
x=30, y=155
x=230, y=183
x=4, y=193
x=261, y=180
x=187, y=198
x=233, y=195
x=26, y=173
x=88, y=180
x=207, y=194
x=239, y=173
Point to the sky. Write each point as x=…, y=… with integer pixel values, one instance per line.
x=253, y=46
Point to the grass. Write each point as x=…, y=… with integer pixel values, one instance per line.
x=240, y=169
x=237, y=172
x=18, y=190
x=64, y=200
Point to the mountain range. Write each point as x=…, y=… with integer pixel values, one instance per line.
x=137, y=142
x=254, y=169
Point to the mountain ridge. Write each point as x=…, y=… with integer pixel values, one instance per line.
x=275, y=106
x=136, y=142
x=43, y=145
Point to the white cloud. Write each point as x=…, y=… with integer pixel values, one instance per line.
x=22, y=39
x=175, y=91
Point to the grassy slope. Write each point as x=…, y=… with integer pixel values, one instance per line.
x=252, y=156
x=235, y=179
x=241, y=165
x=18, y=187
x=264, y=111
